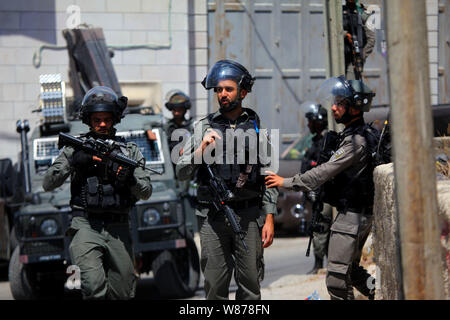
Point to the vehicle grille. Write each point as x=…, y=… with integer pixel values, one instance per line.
x=43, y=247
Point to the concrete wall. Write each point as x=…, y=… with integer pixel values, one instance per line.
x=386, y=237
x=27, y=24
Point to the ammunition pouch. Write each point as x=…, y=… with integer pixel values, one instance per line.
x=104, y=197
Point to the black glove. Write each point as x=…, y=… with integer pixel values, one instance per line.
x=82, y=160
x=125, y=176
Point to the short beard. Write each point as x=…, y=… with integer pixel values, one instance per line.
x=230, y=107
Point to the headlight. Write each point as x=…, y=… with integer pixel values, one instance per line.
x=151, y=217
x=49, y=227
x=298, y=211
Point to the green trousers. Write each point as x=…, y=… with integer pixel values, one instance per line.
x=104, y=255
x=349, y=232
x=222, y=252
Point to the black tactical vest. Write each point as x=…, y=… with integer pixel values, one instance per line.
x=349, y=190
x=242, y=175
x=97, y=190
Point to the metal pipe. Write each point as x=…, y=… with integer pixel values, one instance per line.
x=412, y=135
x=22, y=128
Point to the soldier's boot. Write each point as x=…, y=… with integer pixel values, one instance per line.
x=318, y=264
x=363, y=281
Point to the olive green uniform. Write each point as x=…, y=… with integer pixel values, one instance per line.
x=221, y=249
x=170, y=126
x=351, y=227
x=101, y=248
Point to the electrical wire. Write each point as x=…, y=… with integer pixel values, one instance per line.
x=37, y=56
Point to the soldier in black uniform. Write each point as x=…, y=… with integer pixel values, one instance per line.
x=356, y=34
x=318, y=125
x=222, y=250
x=102, y=194
x=347, y=179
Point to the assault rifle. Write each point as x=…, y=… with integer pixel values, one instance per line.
x=103, y=149
x=330, y=144
x=221, y=195
x=317, y=207
x=356, y=41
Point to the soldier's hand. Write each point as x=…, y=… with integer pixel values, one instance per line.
x=273, y=180
x=268, y=231
x=210, y=138
x=82, y=159
x=125, y=175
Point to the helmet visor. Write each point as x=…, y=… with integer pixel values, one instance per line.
x=222, y=71
x=333, y=91
x=309, y=109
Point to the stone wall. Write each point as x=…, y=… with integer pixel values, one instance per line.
x=386, y=237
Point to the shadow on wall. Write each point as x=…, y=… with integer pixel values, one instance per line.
x=34, y=19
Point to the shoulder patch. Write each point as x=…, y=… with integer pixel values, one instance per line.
x=338, y=154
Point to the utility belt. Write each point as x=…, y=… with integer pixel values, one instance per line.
x=105, y=217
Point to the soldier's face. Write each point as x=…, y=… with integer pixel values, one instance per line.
x=102, y=122
x=178, y=112
x=338, y=110
x=227, y=92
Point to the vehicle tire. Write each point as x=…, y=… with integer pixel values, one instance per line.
x=13, y=243
x=177, y=272
x=19, y=278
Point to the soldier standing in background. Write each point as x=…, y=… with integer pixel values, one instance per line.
x=102, y=194
x=178, y=103
x=318, y=125
x=222, y=250
x=359, y=40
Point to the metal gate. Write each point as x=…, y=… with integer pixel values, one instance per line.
x=282, y=43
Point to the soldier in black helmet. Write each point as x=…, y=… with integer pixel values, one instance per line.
x=347, y=179
x=318, y=125
x=102, y=194
x=178, y=103
x=359, y=39
x=221, y=248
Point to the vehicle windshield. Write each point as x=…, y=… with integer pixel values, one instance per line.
x=150, y=149
x=45, y=150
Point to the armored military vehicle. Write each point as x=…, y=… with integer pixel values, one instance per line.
x=161, y=235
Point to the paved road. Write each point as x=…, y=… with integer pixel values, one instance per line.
x=285, y=258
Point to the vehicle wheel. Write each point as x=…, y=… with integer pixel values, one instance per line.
x=13, y=243
x=19, y=278
x=177, y=272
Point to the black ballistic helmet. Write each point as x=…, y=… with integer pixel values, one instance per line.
x=337, y=89
x=102, y=99
x=314, y=112
x=177, y=98
x=228, y=70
